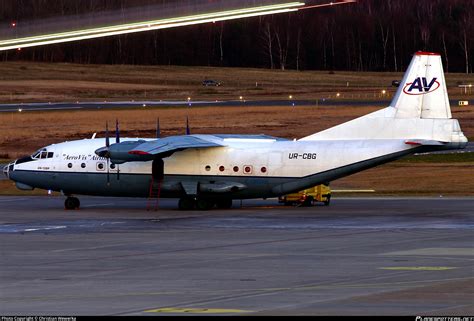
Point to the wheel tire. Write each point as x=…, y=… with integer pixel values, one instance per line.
x=204, y=205
x=308, y=202
x=77, y=203
x=224, y=204
x=71, y=203
x=186, y=204
x=327, y=201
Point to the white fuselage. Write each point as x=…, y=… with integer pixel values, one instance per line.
x=267, y=162
x=216, y=167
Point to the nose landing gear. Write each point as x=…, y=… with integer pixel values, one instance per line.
x=72, y=203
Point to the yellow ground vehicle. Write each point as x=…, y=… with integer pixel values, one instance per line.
x=308, y=197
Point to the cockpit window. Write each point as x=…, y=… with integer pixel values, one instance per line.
x=36, y=155
x=42, y=154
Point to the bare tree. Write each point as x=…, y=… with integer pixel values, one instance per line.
x=282, y=50
x=445, y=50
x=466, y=28
x=268, y=42
x=298, y=49
x=221, y=45
x=384, y=32
x=395, y=64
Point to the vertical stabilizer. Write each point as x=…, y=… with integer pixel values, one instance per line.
x=422, y=92
x=419, y=112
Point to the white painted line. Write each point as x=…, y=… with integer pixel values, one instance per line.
x=40, y=109
x=12, y=200
x=44, y=228
x=95, y=205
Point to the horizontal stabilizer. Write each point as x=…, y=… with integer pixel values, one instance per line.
x=424, y=142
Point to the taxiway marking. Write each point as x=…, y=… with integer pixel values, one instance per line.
x=418, y=268
x=12, y=200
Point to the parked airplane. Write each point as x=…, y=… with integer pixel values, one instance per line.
x=211, y=170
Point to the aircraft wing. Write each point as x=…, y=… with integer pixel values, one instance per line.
x=143, y=151
x=168, y=145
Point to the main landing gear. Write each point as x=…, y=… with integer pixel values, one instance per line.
x=72, y=203
x=203, y=204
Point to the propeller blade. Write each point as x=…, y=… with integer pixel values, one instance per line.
x=108, y=171
x=118, y=172
x=107, y=140
x=117, y=132
x=188, y=131
x=158, y=131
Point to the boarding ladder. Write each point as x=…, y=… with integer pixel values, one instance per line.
x=154, y=194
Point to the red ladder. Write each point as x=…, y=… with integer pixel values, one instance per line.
x=154, y=194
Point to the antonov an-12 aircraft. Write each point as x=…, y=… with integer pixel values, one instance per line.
x=204, y=171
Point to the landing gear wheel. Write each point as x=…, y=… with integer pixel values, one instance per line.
x=204, y=204
x=327, y=201
x=72, y=203
x=186, y=204
x=308, y=202
x=224, y=204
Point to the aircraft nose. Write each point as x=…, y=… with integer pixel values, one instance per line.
x=8, y=168
x=5, y=170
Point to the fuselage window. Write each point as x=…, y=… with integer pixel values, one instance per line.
x=236, y=169
x=100, y=166
x=112, y=166
x=83, y=165
x=69, y=165
x=208, y=168
x=264, y=169
x=221, y=168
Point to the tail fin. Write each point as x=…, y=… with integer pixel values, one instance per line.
x=419, y=112
x=423, y=92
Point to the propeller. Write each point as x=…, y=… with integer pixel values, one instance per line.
x=107, y=140
x=107, y=154
x=188, y=131
x=117, y=140
x=158, y=131
x=117, y=132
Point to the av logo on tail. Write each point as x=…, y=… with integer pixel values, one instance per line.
x=421, y=86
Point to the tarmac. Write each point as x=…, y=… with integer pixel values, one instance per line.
x=359, y=256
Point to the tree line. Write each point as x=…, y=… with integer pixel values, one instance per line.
x=371, y=35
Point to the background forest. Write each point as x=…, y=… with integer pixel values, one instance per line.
x=371, y=35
